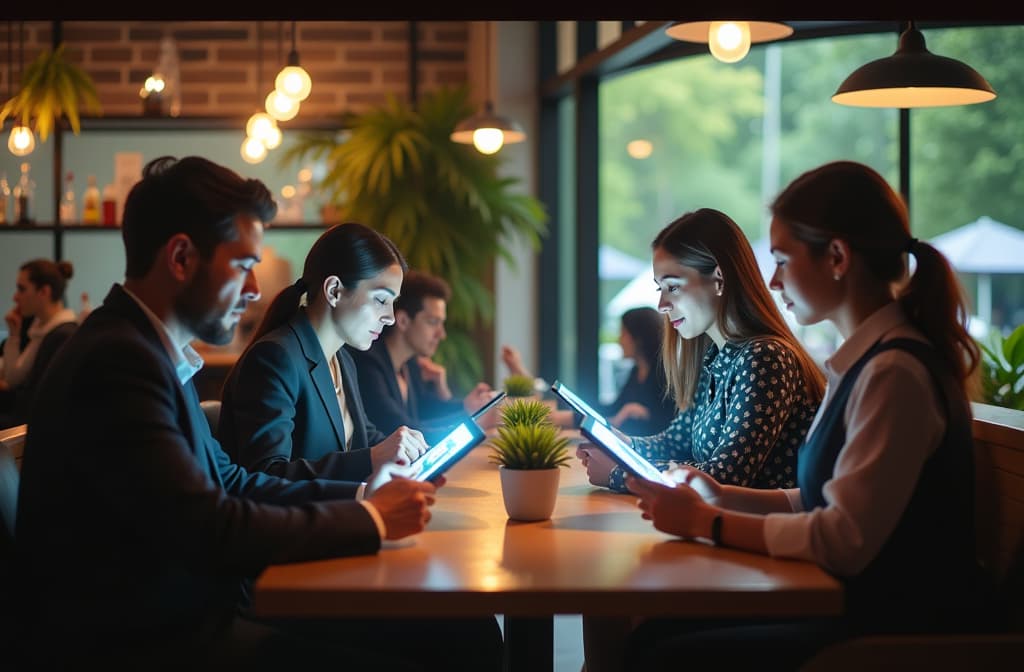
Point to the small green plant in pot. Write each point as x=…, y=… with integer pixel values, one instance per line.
x=529, y=455
x=1002, y=369
x=525, y=411
x=519, y=386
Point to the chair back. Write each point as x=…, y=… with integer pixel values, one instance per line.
x=211, y=408
x=12, y=442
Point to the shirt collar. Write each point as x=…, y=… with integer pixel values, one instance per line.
x=870, y=331
x=184, y=358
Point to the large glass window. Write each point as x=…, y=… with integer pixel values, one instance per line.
x=967, y=165
x=696, y=133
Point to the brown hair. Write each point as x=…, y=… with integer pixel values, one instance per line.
x=52, y=274
x=703, y=240
x=852, y=202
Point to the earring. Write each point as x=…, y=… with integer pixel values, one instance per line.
x=836, y=277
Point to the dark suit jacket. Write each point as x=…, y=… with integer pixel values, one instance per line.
x=424, y=410
x=279, y=413
x=133, y=525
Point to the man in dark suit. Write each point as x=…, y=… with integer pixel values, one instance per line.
x=134, y=531
x=399, y=382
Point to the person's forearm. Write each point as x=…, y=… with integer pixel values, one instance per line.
x=752, y=500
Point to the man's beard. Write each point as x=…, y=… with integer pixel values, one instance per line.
x=203, y=320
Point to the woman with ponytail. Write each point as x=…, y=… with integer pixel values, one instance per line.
x=884, y=498
x=291, y=404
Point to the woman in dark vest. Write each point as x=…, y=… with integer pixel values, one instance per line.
x=885, y=479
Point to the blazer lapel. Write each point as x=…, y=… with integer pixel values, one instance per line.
x=319, y=373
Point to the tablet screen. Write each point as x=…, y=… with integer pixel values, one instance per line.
x=623, y=454
x=571, y=398
x=449, y=450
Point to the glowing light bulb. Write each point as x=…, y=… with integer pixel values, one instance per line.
x=293, y=82
x=260, y=126
x=280, y=106
x=729, y=41
x=21, y=141
x=273, y=138
x=253, y=150
x=488, y=140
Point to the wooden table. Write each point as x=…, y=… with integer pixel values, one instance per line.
x=596, y=555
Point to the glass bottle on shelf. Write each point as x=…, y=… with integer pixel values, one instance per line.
x=91, y=202
x=67, y=203
x=109, y=205
x=23, y=194
x=5, y=194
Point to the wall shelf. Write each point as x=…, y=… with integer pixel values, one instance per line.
x=93, y=228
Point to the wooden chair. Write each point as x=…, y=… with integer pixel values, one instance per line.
x=999, y=519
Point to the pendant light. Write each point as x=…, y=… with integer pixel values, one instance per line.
x=486, y=130
x=913, y=77
x=293, y=81
x=22, y=140
x=728, y=41
x=261, y=131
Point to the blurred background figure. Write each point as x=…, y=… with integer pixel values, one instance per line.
x=642, y=406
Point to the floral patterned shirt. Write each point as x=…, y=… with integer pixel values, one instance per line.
x=750, y=414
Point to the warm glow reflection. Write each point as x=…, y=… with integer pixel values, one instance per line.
x=639, y=149
x=729, y=41
x=288, y=191
x=488, y=140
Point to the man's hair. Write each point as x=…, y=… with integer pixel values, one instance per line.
x=191, y=195
x=417, y=286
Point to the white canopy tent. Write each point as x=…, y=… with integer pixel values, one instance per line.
x=985, y=247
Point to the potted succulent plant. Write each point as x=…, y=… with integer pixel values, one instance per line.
x=529, y=450
x=519, y=386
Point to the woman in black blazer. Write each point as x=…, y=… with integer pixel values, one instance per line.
x=291, y=404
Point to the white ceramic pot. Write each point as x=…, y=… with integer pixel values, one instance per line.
x=529, y=494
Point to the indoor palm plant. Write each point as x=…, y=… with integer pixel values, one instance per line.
x=51, y=88
x=529, y=450
x=444, y=204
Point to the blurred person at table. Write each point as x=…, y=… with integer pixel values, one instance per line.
x=399, y=381
x=38, y=298
x=122, y=477
x=291, y=405
x=643, y=405
x=885, y=492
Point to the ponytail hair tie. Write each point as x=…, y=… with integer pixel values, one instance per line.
x=909, y=249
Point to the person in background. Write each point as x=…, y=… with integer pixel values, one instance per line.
x=399, y=382
x=643, y=405
x=39, y=297
x=746, y=389
x=884, y=498
x=291, y=405
x=121, y=473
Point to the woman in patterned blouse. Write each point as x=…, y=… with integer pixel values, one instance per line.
x=746, y=389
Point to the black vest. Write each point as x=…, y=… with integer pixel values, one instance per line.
x=925, y=577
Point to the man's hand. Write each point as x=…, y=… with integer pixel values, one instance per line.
x=598, y=465
x=477, y=397
x=514, y=361
x=404, y=505
x=13, y=320
x=432, y=372
x=404, y=446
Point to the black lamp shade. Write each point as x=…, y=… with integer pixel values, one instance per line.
x=913, y=77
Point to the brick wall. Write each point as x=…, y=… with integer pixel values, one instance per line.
x=353, y=64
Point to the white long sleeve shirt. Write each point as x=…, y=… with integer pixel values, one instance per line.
x=17, y=363
x=895, y=420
